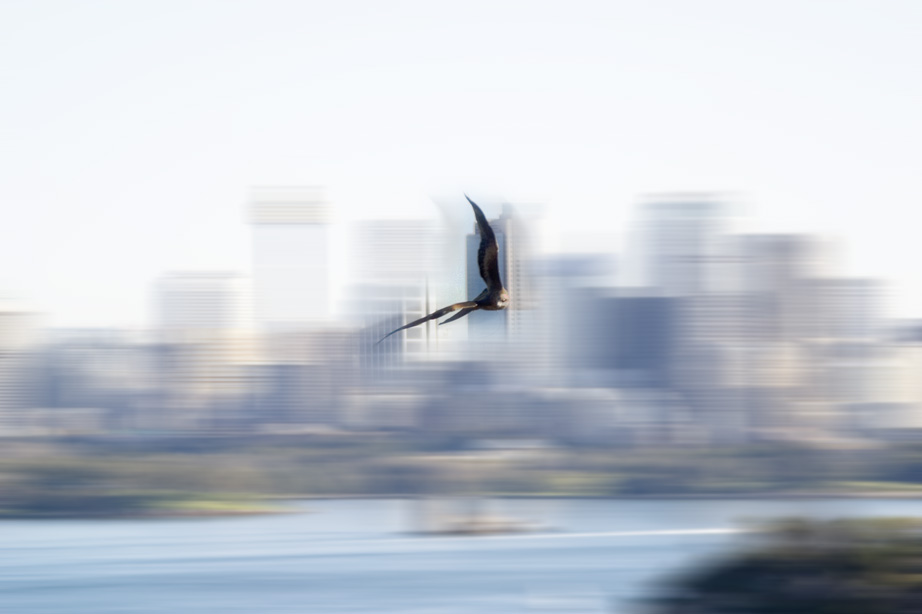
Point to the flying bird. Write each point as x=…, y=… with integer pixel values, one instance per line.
x=494, y=297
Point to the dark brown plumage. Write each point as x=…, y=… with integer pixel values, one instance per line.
x=493, y=298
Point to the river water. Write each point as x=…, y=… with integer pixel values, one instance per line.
x=362, y=556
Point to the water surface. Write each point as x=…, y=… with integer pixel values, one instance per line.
x=361, y=556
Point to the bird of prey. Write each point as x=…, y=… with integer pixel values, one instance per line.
x=493, y=298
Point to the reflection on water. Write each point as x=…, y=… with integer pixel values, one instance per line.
x=362, y=556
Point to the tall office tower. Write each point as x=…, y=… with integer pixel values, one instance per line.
x=778, y=320
x=397, y=270
x=19, y=341
x=708, y=365
x=574, y=339
x=678, y=243
x=681, y=248
x=846, y=308
x=307, y=377
x=201, y=304
x=851, y=371
x=291, y=258
x=207, y=345
x=775, y=272
x=895, y=408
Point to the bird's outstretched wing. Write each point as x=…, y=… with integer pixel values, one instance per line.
x=467, y=310
x=488, y=254
x=458, y=315
x=466, y=305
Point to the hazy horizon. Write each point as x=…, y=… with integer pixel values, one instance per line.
x=134, y=132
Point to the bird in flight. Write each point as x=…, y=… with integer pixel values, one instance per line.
x=493, y=298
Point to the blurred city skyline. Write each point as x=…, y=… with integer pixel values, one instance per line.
x=695, y=334
x=214, y=211
x=134, y=133
x=315, y=263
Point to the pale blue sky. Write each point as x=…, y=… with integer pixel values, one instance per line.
x=132, y=131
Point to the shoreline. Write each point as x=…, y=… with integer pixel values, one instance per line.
x=638, y=497
x=147, y=515
x=205, y=512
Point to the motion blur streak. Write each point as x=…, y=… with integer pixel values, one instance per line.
x=696, y=335
x=696, y=361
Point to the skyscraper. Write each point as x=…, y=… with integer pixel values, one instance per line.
x=206, y=347
x=775, y=272
x=291, y=257
x=19, y=338
x=683, y=258
x=199, y=303
x=678, y=239
x=574, y=329
x=395, y=268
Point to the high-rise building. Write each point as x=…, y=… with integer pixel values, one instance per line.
x=847, y=307
x=291, y=257
x=396, y=266
x=775, y=273
x=381, y=308
x=779, y=312
x=678, y=242
x=852, y=375
x=573, y=337
x=201, y=303
x=19, y=339
x=306, y=376
x=206, y=346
